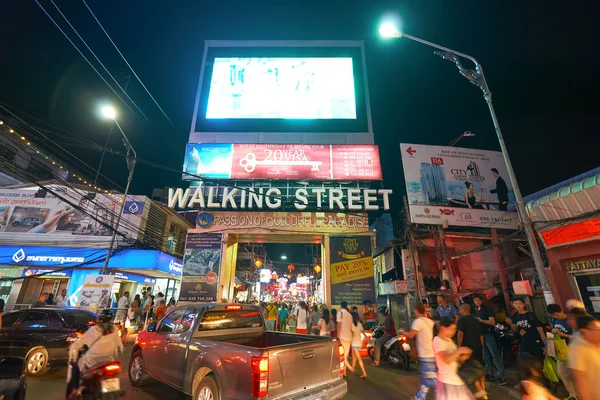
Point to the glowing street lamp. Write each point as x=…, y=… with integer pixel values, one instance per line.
x=477, y=78
x=283, y=256
x=109, y=112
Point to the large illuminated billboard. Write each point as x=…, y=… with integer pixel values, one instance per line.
x=269, y=91
x=282, y=88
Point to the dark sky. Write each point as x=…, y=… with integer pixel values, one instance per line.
x=540, y=59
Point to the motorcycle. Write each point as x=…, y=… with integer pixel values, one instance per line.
x=13, y=378
x=100, y=382
x=508, y=342
x=396, y=350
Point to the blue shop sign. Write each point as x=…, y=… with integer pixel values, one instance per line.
x=47, y=273
x=136, y=278
x=62, y=257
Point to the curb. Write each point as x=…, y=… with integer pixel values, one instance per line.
x=507, y=391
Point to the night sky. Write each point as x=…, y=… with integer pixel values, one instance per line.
x=540, y=59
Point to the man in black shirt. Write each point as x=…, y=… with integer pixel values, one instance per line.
x=491, y=353
x=527, y=324
x=501, y=191
x=469, y=335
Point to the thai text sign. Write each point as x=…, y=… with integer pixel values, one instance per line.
x=352, y=272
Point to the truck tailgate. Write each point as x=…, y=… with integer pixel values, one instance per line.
x=302, y=366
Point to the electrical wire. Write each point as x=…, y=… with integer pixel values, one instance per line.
x=84, y=57
x=100, y=62
x=128, y=65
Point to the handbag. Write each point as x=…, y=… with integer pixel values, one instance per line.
x=471, y=371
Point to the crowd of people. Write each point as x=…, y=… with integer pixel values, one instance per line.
x=459, y=348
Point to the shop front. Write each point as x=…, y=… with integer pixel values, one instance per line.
x=52, y=269
x=344, y=241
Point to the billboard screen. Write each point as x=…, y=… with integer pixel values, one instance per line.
x=465, y=187
x=279, y=87
x=282, y=161
x=282, y=87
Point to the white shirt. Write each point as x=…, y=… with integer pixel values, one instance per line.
x=61, y=301
x=102, y=349
x=357, y=334
x=585, y=357
x=325, y=329
x=302, y=316
x=121, y=314
x=345, y=319
x=447, y=373
x=424, y=338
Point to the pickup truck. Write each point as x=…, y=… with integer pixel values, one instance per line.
x=224, y=352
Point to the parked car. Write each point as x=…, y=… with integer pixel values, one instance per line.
x=27, y=221
x=42, y=336
x=222, y=351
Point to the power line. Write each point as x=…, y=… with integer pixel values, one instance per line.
x=84, y=57
x=97, y=59
x=129, y=65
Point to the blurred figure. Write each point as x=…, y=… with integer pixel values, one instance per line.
x=61, y=299
x=357, y=330
x=422, y=331
x=41, y=302
x=50, y=300
x=302, y=318
x=560, y=327
x=271, y=316
x=314, y=320
x=447, y=356
x=369, y=314
x=531, y=379
x=334, y=318
x=325, y=325
x=171, y=306
x=283, y=318
x=389, y=330
x=470, y=335
x=446, y=310
x=584, y=358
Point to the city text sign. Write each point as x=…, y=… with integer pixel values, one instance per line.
x=352, y=199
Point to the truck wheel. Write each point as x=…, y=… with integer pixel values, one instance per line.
x=37, y=362
x=137, y=373
x=208, y=389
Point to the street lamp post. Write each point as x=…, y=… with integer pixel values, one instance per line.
x=110, y=113
x=462, y=135
x=477, y=78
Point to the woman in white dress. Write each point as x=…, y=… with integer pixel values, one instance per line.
x=447, y=357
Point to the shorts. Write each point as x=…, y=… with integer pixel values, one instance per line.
x=357, y=348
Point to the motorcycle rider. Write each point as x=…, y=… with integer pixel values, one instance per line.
x=389, y=332
x=99, y=344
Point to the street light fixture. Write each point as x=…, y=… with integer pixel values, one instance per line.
x=477, y=78
x=464, y=134
x=283, y=256
x=110, y=113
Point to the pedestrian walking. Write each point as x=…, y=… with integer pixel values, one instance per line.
x=527, y=324
x=447, y=356
x=334, y=332
x=314, y=320
x=491, y=352
x=421, y=331
x=302, y=318
x=471, y=336
x=561, y=328
x=325, y=325
x=584, y=358
x=357, y=331
x=271, y=316
x=123, y=306
x=344, y=328
x=283, y=318
x=531, y=379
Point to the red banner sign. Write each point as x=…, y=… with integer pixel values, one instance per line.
x=572, y=233
x=294, y=161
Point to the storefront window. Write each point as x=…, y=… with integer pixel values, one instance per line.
x=589, y=289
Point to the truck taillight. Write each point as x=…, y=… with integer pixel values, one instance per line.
x=260, y=376
x=342, y=358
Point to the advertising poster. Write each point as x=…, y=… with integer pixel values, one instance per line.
x=25, y=218
x=465, y=187
x=201, y=268
x=282, y=161
x=95, y=292
x=352, y=271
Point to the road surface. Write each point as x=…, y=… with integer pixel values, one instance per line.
x=383, y=383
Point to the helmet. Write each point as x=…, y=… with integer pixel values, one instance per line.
x=106, y=316
x=382, y=309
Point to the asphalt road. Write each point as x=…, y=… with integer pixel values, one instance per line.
x=382, y=383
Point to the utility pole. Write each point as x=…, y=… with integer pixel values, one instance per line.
x=495, y=241
x=446, y=262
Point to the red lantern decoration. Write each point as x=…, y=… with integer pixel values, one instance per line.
x=291, y=267
x=274, y=275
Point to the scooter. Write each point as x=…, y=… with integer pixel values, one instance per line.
x=13, y=378
x=508, y=342
x=101, y=382
x=396, y=350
